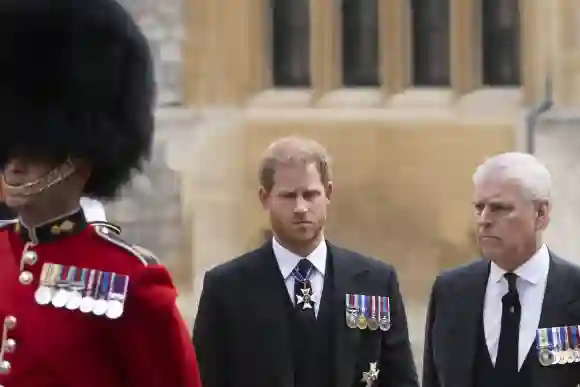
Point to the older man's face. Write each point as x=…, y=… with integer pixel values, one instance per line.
x=507, y=222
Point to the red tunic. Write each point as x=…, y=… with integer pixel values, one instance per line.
x=143, y=344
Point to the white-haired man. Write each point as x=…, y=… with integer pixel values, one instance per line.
x=509, y=319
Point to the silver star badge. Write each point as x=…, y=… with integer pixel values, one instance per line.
x=306, y=299
x=371, y=375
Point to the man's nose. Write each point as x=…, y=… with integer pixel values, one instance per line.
x=483, y=218
x=301, y=205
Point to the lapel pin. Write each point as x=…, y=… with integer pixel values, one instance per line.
x=370, y=376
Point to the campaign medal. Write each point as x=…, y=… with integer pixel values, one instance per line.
x=362, y=317
x=373, y=318
x=559, y=345
x=117, y=296
x=43, y=295
x=568, y=352
x=76, y=287
x=90, y=291
x=100, y=306
x=63, y=282
x=384, y=314
x=576, y=342
x=545, y=346
x=351, y=311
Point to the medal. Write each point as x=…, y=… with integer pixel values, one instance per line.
x=100, y=306
x=575, y=335
x=362, y=319
x=92, y=287
x=371, y=376
x=568, y=352
x=384, y=314
x=559, y=345
x=43, y=295
x=306, y=298
x=351, y=313
x=64, y=280
x=117, y=296
x=544, y=345
x=76, y=287
x=372, y=320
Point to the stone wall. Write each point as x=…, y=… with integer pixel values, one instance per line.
x=557, y=141
x=161, y=21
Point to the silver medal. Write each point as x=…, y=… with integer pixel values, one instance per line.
x=43, y=295
x=74, y=301
x=100, y=307
x=114, y=309
x=87, y=304
x=60, y=298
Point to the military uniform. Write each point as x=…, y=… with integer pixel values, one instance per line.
x=81, y=307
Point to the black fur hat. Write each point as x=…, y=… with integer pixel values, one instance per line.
x=76, y=80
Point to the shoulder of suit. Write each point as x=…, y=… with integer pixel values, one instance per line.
x=112, y=234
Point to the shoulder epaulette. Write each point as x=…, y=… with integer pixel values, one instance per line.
x=7, y=223
x=110, y=235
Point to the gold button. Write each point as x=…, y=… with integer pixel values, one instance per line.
x=4, y=367
x=10, y=345
x=10, y=322
x=25, y=278
x=30, y=258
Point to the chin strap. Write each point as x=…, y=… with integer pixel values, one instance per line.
x=55, y=176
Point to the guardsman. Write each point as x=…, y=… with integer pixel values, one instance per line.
x=79, y=306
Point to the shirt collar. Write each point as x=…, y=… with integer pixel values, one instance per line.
x=534, y=270
x=287, y=260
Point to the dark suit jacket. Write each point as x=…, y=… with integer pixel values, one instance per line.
x=455, y=309
x=241, y=329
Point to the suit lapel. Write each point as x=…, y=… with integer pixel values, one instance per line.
x=346, y=340
x=272, y=310
x=467, y=313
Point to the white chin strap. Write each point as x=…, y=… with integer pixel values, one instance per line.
x=55, y=176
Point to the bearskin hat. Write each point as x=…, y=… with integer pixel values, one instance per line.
x=76, y=81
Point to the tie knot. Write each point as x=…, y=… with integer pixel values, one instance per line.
x=304, y=266
x=511, y=280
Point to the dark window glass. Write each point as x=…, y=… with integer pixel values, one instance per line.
x=430, y=20
x=360, y=43
x=291, y=43
x=501, y=42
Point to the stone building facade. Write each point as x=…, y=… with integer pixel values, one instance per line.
x=406, y=126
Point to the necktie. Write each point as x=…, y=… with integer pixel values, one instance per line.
x=507, y=353
x=303, y=326
x=303, y=293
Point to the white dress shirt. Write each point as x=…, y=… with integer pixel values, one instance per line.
x=287, y=261
x=93, y=209
x=531, y=285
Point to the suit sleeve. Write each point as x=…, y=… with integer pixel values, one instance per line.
x=208, y=337
x=152, y=337
x=397, y=364
x=430, y=378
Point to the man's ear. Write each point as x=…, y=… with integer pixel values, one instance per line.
x=329, y=187
x=264, y=197
x=543, y=215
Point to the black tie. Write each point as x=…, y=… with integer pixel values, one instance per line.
x=507, y=353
